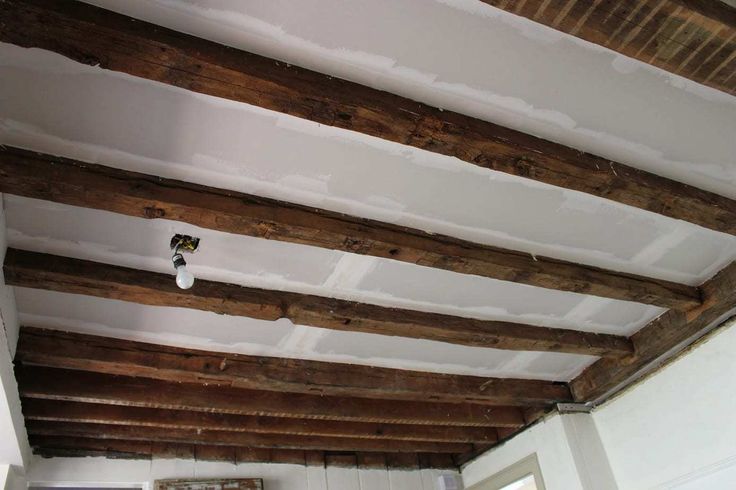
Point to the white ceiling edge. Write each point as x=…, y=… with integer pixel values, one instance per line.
x=202, y=330
x=466, y=56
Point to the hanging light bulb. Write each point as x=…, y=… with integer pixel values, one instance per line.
x=184, y=278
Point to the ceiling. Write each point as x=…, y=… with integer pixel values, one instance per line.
x=459, y=55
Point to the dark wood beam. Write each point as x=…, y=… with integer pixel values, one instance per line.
x=243, y=439
x=77, y=183
x=663, y=337
x=50, y=446
x=86, y=387
x=55, y=273
x=695, y=39
x=57, y=349
x=95, y=413
x=112, y=41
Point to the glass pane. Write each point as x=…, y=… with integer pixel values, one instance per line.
x=526, y=483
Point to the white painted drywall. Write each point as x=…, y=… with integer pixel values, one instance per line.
x=11, y=478
x=548, y=439
x=456, y=54
x=678, y=426
x=674, y=430
x=472, y=58
x=55, y=105
x=588, y=452
x=108, y=472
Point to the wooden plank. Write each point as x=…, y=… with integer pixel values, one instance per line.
x=112, y=41
x=65, y=447
x=77, y=183
x=55, y=273
x=95, y=413
x=210, y=484
x=244, y=439
x=80, y=386
x=669, y=34
x=664, y=336
x=50, y=446
x=113, y=356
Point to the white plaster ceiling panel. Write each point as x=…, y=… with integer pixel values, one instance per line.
x=467, y=56
x=164, y=325
x=128, y=241
x=500, y=300
x=133, y=242
x=455, y=54
x=222, y=333
x=52, y=104
x=372, y=349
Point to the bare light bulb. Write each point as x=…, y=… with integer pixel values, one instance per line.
x=184, y=278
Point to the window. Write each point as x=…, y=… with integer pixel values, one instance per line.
x=524, y=475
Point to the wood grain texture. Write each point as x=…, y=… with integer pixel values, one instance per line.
x=95, y=413
x=86, y=387
x=695, y=39
x=210, y=484
x=97, y=37
x=666, y=335
x=244, y=439
x=55, y=273
x=50, y=446
x=114, y=356
x=77, y=183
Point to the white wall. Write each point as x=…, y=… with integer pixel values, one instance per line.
x=551, y=441
x=677, y=429
x=14, y=449
x=275, y=476
x=11, y=478
x=678, y=425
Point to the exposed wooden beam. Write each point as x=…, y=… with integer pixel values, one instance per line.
x=55, y=273
x=80, y=386
x=95, y=413
x=243, y=439
x=695, y=39
x=114, y=356
x=77, y=183
x=95, y=36
x=50, y=446
x=663, y=337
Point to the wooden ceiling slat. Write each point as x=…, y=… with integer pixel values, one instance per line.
x=95, y=413
x=77, y=183
x=50, y=446
x=55, y=273
x=669, y=34
x=94, y=36
x=245, y=439
x=86, y=387
x=717, y=57
x=671, y=332
x=114, y=356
